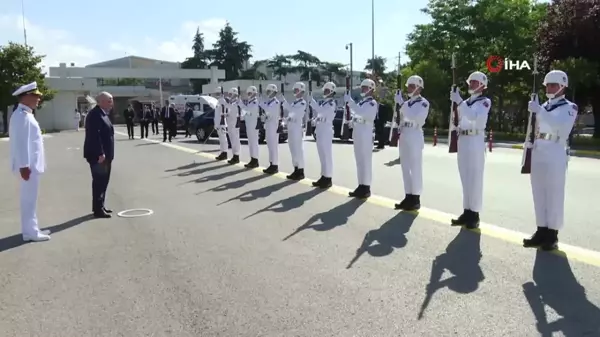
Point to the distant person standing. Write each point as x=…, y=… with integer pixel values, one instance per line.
x=169, y=119
x=189, y=114
x=155, y=118
x=129, y=116
x=145, y=121
x=77, y=119
x=27, y=158
x=99, y=151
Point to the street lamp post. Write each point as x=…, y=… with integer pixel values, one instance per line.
x=373, y=29
x=23, y=17
x=349, y=47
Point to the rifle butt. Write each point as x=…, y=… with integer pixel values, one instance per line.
x=453, y=145
x=526, y=162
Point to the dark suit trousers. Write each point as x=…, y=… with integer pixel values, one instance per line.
x=167, y=128
x=144, y=127
x=129, y=129
x=100, y=178
x=155, y=126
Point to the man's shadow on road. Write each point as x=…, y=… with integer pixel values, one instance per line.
x=393, y=162
x=462, y=258
x=555, y=285
x=335, y=217
x=259, y=193
x=15, y=241
x=235, y=184
x=290, y=203
x=392, y=234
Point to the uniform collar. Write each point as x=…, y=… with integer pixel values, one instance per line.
x=475, y=95
x=556, y=99
x=415, y=98
x=25, y=108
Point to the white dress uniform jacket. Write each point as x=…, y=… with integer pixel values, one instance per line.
x=294, y=120
x=549, y=158
x=414, y=113
x=250, y=115
x=232, y=131
x=221, y=129
x=272, y=111
x=365, y=112
x=323, y=123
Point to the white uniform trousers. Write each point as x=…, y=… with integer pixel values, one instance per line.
x=252, y=134
x=363, y=152
x=471, y=162
x=29, y=196
x=234, y=138
x=222, y=133
x=296, y=143
x=548, y=178
x=272, y=138
x=324, y=133
x=411, y=151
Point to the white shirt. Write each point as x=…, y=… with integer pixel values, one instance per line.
x=250, y=109
x=557, y=117
x=473, y=113
x=366, y=109
x=415, y=110
x=296, y=110
x=272, y=110
x=325, y=111
x=26, y=141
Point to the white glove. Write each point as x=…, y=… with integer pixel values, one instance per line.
x=222, y=100
x=455, y=96
x=534, y=106
x=398, y=98
x=347, y=98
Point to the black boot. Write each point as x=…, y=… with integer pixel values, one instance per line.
x=326, y=183
x=234, y=160
x=319, y=182
x=357, y=191
x=272, y=169
x=537, y=239
x=297, y=175
x=361, y=192
x=222, y=156
x=462, y=219
x=253, y=163
x=402, y=203
x=550, y=240
x=473, y=220
x=413, y=203
x=293, y=175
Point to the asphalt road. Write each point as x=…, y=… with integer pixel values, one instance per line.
x=231, y=252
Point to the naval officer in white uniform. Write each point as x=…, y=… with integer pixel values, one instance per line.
x=27, y=158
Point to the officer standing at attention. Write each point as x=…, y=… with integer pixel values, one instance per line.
x=272, y=109
x=295, y=131
x=129, y=116
x=155, y=118
x=323, y=124
x=145, y=118
x=364, y=115
x=27, y=159
x=231, y=107
x=77, y=119
x=473, y=115
x=169, y=119
x=221, y=129
x=250, y=115
x=554, y=122
x=414, y=113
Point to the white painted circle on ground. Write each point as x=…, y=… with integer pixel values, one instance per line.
x=137, y=212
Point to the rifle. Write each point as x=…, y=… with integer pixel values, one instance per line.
x=259, y=123
x=309, y=127
x=222, y=123
x=453, y=125
x=281, y=113
x=531, y=128
x=238, y=122
x=396, y=118
x=345, y=131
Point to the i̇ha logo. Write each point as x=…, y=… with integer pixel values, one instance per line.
x=496, y=63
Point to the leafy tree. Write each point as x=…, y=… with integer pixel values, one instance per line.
x=254, y=73
x=307, y=63
x=229, y=53
x=197, y=61
x=281, y=66
x=333, y=70
x=19, y=65
x=569, y=33
x=376, y=65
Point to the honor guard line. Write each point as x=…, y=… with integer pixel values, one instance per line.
x=575, y=253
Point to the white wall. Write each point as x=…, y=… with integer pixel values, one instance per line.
x=59, y=114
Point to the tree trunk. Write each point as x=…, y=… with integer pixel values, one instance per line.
x=5, y=121
x=596, y=111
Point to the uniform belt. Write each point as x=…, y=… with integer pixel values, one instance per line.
x=320, y=119
x=292, y=120
x=471, y=132
x=410, y=125
x=549, y=137
x=360, y=120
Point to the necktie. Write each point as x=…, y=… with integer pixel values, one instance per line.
x=167, y=114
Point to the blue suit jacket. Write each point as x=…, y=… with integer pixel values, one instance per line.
x=99, y=136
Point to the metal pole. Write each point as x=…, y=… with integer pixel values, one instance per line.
x=373, y=30
x=351, y=72
x=23, y=17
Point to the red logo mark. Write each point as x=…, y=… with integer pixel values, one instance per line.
x=494, y=63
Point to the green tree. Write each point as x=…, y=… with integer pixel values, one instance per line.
x=253, y=73
x=569, y=33
x=197, y=61
x=376, y=65
x=229, y=53
x=281, y=66
x=19, y=65
x=333, y=70
x=306, y=63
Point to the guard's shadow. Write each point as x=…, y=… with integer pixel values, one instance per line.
x=335, y=217
x=219, y=176
x=556, y=286
x=146, y=144
x=393, y=162
x=15, y=241
x=235, y=184
x=202, y=170
x=258, y=193
x=462, y=259
x=392, y=234
x=288, y=204
x=189, y=166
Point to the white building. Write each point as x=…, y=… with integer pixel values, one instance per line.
x=130, y=80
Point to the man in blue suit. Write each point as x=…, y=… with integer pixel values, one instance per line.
x=99, y=151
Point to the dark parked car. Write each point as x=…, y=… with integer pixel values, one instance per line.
x=202, y=126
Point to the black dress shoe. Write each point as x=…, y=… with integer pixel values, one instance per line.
x=222, y=156
x=537, y=239
x=102, y=215
x=462, y=219
x=234, y=160
x=253, y=163
x=106, y=210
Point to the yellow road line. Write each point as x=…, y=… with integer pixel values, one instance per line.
x=583, y=255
